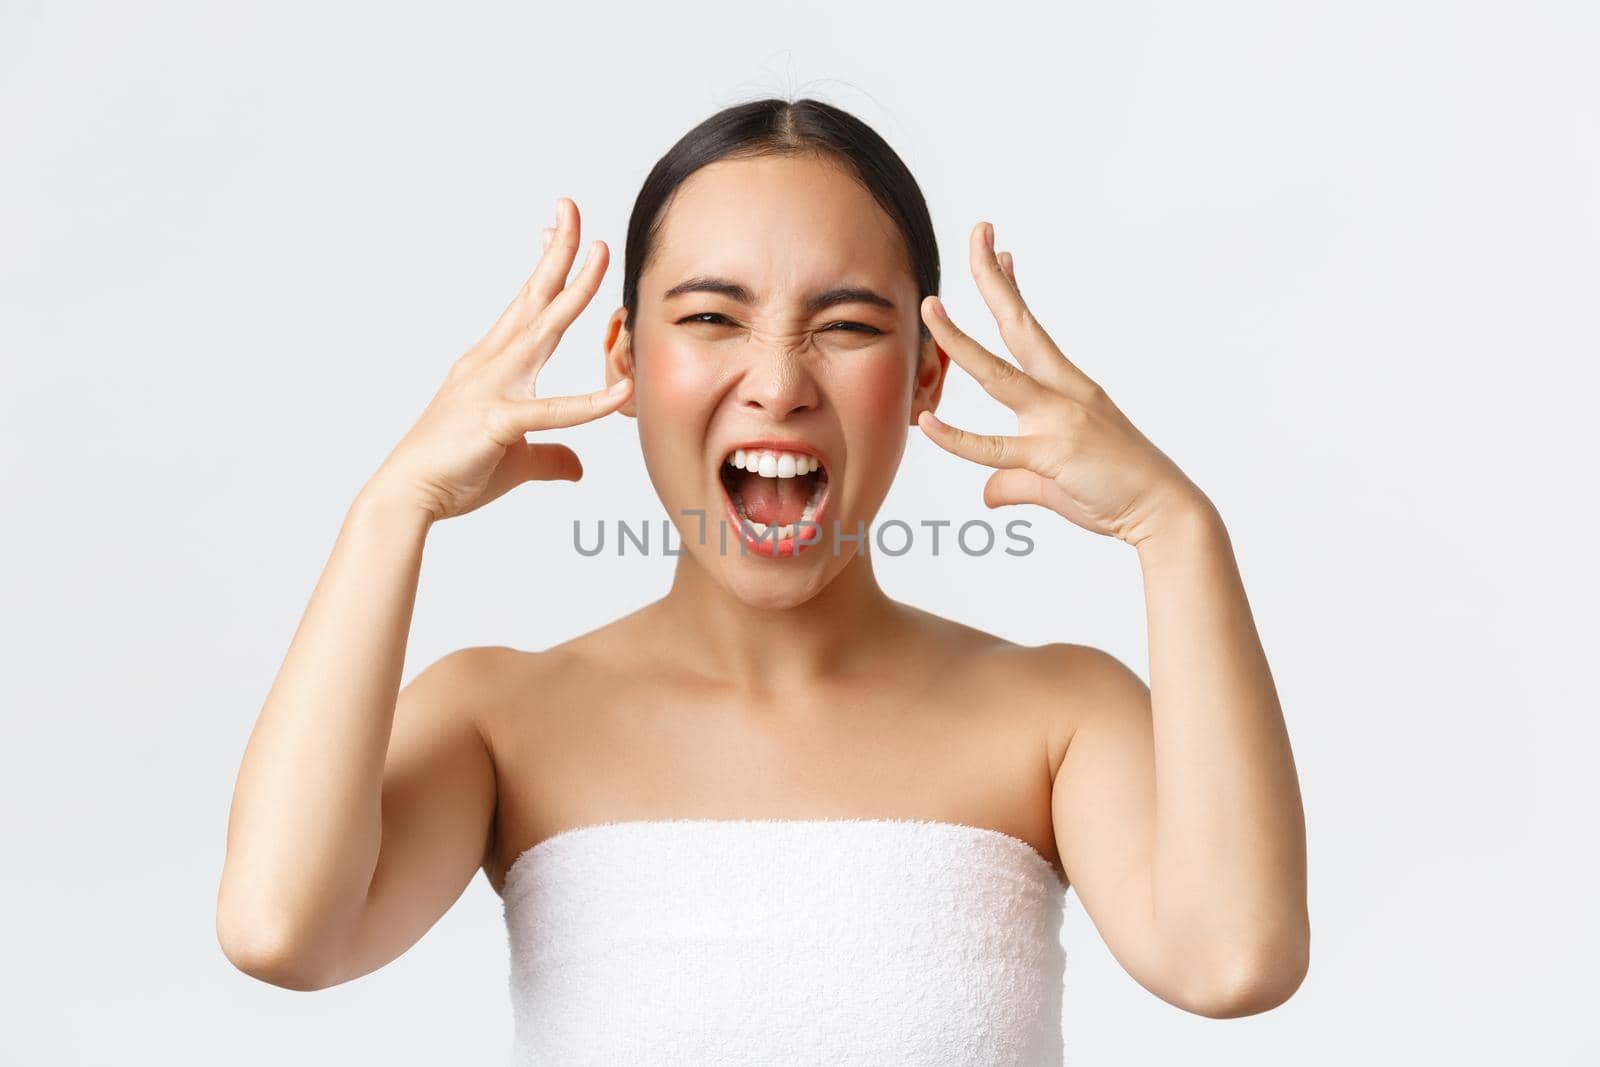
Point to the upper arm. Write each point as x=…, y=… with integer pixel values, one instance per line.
x=1103, y=810
x=438, y=810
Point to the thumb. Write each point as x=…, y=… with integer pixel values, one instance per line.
x=545, y=463
x=1014, y=485
x=525, y=462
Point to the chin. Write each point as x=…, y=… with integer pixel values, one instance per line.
x=774, y=596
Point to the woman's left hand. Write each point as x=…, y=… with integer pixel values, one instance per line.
x=1075, y=452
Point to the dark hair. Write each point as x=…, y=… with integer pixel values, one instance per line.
x=791, y=128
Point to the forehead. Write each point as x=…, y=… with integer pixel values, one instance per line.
x=780, y=225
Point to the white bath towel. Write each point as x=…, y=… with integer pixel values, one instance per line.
x=784, y=941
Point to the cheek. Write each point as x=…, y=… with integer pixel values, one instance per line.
x=676, y=382
x=671, y=389
x=874, y=406
x=876, y=394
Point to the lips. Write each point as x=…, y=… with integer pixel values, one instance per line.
x=775, y=492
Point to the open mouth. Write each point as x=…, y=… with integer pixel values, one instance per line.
x=774, y=496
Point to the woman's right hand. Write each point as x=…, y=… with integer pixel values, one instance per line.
x=468, y=447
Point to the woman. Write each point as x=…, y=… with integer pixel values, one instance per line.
x=776, y=815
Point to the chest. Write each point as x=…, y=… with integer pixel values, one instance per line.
x=917, y=745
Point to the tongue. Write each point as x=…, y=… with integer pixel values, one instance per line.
x=774, y=501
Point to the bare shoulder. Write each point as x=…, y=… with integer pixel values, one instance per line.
x=1060, y=686
x=481, y=686
x=480, y=675
x=1059, y=678
x=462, y=689
x=462, y=682
x=521, y=689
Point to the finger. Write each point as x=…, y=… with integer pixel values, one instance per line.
x=536, y=462
x=1000, y=378
x=526, y=351
x=513, y=418
x=1021, y=332
x=528, y=462
x=550, y=277
x=547, y=237
x=517, y=312
x=1016, y=485
x=991, y=450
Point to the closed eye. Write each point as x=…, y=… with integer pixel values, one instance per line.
x=704, y=316
x=707, y=316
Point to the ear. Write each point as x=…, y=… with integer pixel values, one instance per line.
x=618, y=349
x=932, y=364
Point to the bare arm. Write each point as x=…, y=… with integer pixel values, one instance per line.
x=306, y=822
x=361, y=811
x=1177, y=807
x=1177, y=811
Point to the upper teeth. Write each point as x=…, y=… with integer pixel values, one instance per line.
x=770, y=464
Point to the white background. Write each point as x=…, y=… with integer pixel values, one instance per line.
x=1338, y=259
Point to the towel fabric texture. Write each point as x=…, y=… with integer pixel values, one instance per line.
x=784, y=941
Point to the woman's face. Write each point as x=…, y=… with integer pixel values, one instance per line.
x=778, y=311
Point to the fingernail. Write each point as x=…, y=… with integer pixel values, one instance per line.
x=988, y=235
x=549, y=235
x=938, y=309
x=558, y=212
x=617, y=387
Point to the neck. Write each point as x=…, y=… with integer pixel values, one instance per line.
x=768, y=651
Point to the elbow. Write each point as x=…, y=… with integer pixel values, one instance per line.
x=256, y=950
x=1255, y=981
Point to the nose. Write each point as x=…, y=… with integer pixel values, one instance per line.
x=778, y=381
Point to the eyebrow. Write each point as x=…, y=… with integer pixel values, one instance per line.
x=841, y=294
